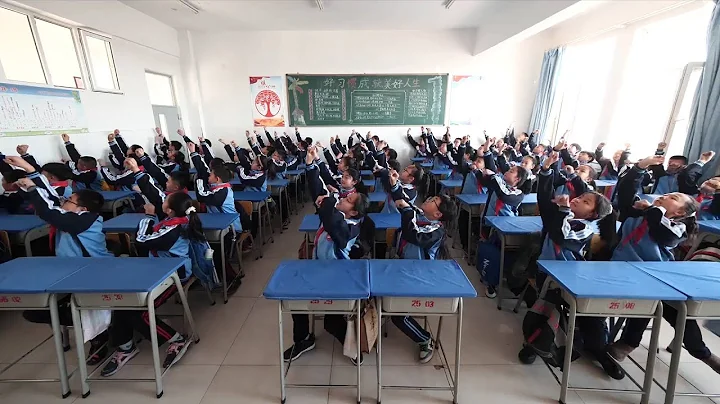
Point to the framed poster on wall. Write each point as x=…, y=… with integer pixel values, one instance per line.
x=267, y=103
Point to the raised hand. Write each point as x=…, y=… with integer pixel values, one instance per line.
x=131, y=164
x=651, y=161
x=641, y=204
x=191, y=147
x=65, y=137
x=111, y=137
x=562, y=200
x=394, y=176
x=149, y=209
x=25, y=183
x=707, y=156
x=601, y=146
x=158, y=131
x=661, y=146
x=22, y=149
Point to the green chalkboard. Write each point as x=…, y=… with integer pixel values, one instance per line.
x=343, y=100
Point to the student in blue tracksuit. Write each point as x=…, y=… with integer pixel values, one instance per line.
x=678, y=176
x=58, y=175
x=421, y=237
x=709, y=199
x=409, y=180
x=169, y=237
x=76, y=231
x=649, y=233
x=339, y=228
x=84, y=168
x=568, y=228
x=421, y=149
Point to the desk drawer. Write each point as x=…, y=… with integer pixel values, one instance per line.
x=20, y=300
x=121, y=299
x=319, y=305
x=614, y=307
x=703, y=308
x=419, y=305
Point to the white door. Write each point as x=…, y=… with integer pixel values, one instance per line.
x=164, y=105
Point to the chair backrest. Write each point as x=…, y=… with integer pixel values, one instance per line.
x=247, y=207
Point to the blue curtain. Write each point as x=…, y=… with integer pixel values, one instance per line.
x=546, y=90
x=704, y=128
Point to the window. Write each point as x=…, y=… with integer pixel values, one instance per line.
x=676, y=132
x=59, y=48
x=19, y=55
x=160, y=88
x=98, y=53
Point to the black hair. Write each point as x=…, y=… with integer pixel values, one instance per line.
x=680, y=157
x=354, y=173
x=690, y=220
x=375, y=138
x=181, y=178
x=282, y=153
x=176, y=145
x=394, y=165
x=419, y=177
x=303, y=144
x=59, y=170
x=270, y=150
x=349, y=162
x=216, y=161
x=222, y=172
x=522, y=175
x=13, y=175
x=91, y=200
x=361, y=205
x=447, y=208
x=593, y=173
x=392, y=154
x=179, y=157
x=180, y=202
x=134, y=148
x=577, y=146
x=270, y=169
x=88, y=161
x=308, y=140
x=590, y=154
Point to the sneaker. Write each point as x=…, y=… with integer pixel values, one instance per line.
x=119, y=359
x=295, y=351
x=355, y=362
x=527, y=355
x=490, y=292
x=98, y=353
x=620, y=350
x=611, y=368
x=426, y=351
x=175, y=351
x=713, y=361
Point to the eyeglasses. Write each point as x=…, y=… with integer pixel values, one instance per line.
x=434, y=200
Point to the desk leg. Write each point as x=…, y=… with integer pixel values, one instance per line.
x=568, y=350
x=224, y=272
x=378, y=305
x=283, y=397
x=358, y=319
x=502, y=269
x=457, y=350
x=155, y=348
x=186, y=307
x=57, y=339
x=676, y=353
x=469, y=234
x=307, y=246
x=80, y=348
x=282, y=220
x=652, y=352
x=27, y=241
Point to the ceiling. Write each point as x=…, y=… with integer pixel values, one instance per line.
x=305, y=15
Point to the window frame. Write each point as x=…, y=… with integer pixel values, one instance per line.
x=84, y=34
x=172, y=87
x=81, y=55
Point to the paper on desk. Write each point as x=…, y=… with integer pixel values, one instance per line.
x=94, y=322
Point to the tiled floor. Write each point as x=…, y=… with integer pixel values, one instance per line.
x=236, y=360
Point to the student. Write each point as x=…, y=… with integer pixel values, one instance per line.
x=575, y=178
x=84, y=168
x=76, y=231
x=709, y=199
x=254, y=173
x=421, y=237
x=421, y=149
x=339, y=228
x=678, y=177
x=649, y=233
x=409, y=180
x=504, y=193
x=164, y=149
x=169, y=237
x=612, y=168
x=568, y=228
x=12, y=201
x=688, y=179
x=213, y=187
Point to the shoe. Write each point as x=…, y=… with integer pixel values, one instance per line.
x=490, y=292
x=527, y=356
x=175, y=351
x=98, y=353
x=620, y=350
x=427, y=350
x=119, y=359
x=611, y=368
x=295, y=351
x=355, y=362
x=713, y=361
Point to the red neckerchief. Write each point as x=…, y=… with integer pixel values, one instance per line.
x=182, y=191
x=60, y=184
x=571, y=189
x=345, y=193
x=219, y=186
x=170, y=221
x=700, y=198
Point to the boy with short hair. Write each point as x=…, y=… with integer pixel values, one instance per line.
x=421, y=237
x=84, y=168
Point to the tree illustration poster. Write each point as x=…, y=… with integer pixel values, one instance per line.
x=268, y=106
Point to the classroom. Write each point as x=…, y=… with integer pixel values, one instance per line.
x=221, y=201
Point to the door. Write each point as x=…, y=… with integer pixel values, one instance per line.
x=164, y=104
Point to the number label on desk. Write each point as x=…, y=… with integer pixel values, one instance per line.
x=321, y=302
x=11, y=299
x=112, y=297
x=621, y=305
x=419, y=304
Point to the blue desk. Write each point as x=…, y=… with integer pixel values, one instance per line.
x=426, y=165
x=504, y=227
x=700, y=283
x=596, y=289
x=365, y=173
x=215, y=227
x=193, y=170
x=451, y=183
x=440, y=172
x=605, y=183
x=24, y=228
x=250, y=196
x=377, y=197
x=294, y=172
x=25, y=285
x=385, y=221
x=116, y=198
x=331, y=287
x=706, y=229
x=123, y=284
x=309, y=226
x=369, y=183
x=419, y=159
x=473, y=204
x=280, y=185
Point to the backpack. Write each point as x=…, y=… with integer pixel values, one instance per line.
x=543, y=325
x=203, y=267
x=711, y=254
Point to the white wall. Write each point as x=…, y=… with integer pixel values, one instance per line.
x=226, y=60
x=130, y=111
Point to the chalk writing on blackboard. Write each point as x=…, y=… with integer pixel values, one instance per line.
x=377, y=105
x=437, y=83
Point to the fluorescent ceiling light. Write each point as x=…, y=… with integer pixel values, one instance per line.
x=320, y=4
x=449, y=3
x=191, y=6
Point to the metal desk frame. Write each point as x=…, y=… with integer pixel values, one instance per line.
x=85, y=378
